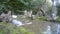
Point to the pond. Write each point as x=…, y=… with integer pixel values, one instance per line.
x=43, y=27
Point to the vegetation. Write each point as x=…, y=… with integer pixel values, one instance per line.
x=21, y=5
x=9, y=28
x=43, y=7
x=58, y=8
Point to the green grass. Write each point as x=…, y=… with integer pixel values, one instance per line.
x=12, y=29
x=43, y=18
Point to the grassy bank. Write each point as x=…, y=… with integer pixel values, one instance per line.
x=42, y=18
x=9, y=28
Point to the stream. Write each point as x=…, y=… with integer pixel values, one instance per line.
x=43, y=27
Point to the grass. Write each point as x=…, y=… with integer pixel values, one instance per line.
x=12, y=29
x=43, y=18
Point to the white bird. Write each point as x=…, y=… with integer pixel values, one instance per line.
x=19, y=23
x=14, y=16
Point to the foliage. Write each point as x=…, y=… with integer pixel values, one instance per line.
x=58, y=8
x=58, y=19
x=6, y=28
x=21, y=5
x=3, y=1
x=49, y=5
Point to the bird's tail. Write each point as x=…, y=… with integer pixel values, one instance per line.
x=27, y=23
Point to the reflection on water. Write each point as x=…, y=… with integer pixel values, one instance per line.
x=58, y=29
x=54, y=31
x=48, y=30
x=40, y=27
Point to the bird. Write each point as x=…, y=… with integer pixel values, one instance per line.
x=19, y=23
x=14, y=16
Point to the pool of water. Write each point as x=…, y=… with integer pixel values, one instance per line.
x=43, y=27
